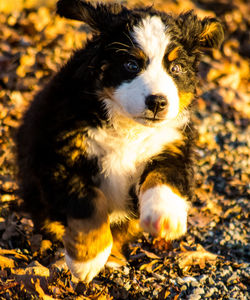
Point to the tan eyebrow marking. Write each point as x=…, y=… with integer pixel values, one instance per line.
x=173, y=54
x=138, y=53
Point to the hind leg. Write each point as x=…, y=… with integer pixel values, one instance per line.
x=88, y=242
x=122, y=235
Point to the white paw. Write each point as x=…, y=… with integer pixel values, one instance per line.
x=87, y=270
x=163, y=213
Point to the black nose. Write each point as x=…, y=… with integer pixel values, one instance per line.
x=156, y=103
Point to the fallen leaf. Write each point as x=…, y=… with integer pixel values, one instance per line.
x=199, y=219
x=149, y=266
x=150, y=254
x=6, y=262
x=14, y=253
x=40, y=291
x=199, y=257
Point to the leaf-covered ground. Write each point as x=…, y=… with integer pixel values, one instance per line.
x=212, y=260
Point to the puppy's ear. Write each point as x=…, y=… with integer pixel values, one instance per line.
x=212, y=34
x=98, y=16
x=196, y=33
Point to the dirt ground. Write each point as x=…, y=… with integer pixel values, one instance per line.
x=212, y=260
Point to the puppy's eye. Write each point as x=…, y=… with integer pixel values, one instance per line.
x=131, y=66
x=175, y=69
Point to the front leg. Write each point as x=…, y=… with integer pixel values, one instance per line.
x=88, y=241
x=163, y=207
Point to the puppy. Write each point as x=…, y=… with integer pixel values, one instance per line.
x=105, y=150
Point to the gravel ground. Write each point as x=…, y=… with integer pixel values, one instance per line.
x=212, y=260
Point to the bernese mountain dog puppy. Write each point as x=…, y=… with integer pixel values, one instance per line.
x=106, y=149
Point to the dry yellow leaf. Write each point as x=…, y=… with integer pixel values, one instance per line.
x=27, y=60
x=10, y=5
x=14, y=253
x=7, y=198
x=149, y=266
x=21, y=71
x=199, y=257
x=6, y=262
x=34, y=269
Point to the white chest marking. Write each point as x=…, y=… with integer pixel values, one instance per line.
x=123, y=152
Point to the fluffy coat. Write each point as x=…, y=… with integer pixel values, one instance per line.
x=108, y=144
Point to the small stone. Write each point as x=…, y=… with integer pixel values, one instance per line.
x=155, y=292
x=225, y=272
x=125, y=270
x=210, y=233
x=127, y=286
x=35, y=268
x=221, y=285
x=235, y=288
x=246, y=273
x=222, y=242
x=158, y=276
x=180, y=281
x=199, y=291
x=210, y=281
x=232, y=279
x=194, y=297
x=119, y=281
x=210, y=292
x=184, y=288
x=189, y=279
x=234, y=295
x=213, y=224
x=194, y=283
x=231, y=226
x=203, y=278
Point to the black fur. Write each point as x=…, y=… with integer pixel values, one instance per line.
x=53, y=184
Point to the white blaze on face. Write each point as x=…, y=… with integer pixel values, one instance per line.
x=151, y=37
